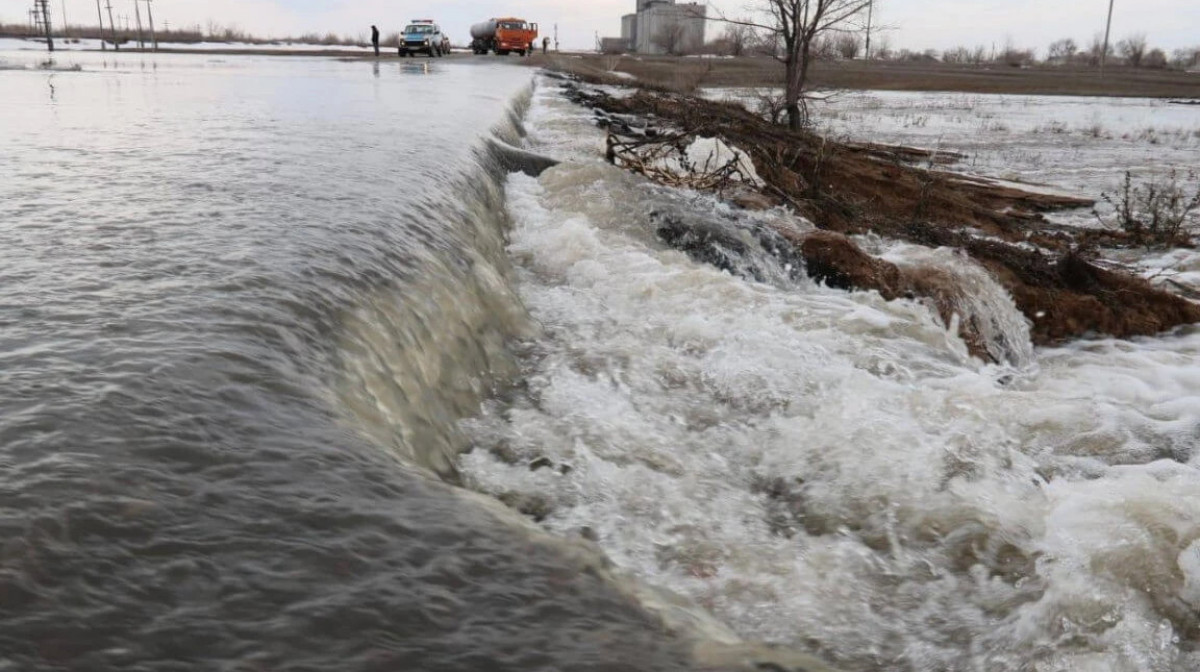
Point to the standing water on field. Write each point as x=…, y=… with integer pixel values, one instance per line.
x=294, y=377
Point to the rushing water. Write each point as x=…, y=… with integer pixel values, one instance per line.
x=831, y=471
x=253, y=311
x=224, y=281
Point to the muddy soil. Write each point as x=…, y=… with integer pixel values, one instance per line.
x=904, y=193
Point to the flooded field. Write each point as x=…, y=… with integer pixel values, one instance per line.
x=243, y=303
x=1075, y=145
x=295, y=376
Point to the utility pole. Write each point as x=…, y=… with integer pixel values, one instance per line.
x=137, y=11
x=112, y=28
x=870, y=16
x=65, y=24
x=153, y=36
x=1107, y=33
x=100, y=16
x=44, y=6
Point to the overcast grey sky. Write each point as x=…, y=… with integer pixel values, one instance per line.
x=915, y=24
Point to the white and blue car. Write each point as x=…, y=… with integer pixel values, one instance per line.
x=424, y=36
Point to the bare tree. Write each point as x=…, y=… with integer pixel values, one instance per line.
x=767, y=44
x=1186, y=58
x=824, y=48
x=957, y=56
x=849, y=46
x=927, y=56
x=1095, y=51
x=1133, y=49
x=1014, y=56
x=798, y=24
x=1063, y=50
x=1156, y=59
x=738, y=38
x=671, y=38
x=965, y=55
x=883, y=49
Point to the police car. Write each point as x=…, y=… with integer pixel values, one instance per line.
x=423, y=36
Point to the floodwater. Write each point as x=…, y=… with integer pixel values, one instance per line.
x=210, y=268
x=827, y=470
x=293, y=377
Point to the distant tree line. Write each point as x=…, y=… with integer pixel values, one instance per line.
x=1133, y=51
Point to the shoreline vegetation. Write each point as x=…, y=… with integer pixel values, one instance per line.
x=1055, y=274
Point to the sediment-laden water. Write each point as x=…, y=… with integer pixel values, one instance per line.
x=831, y=471
x=292, y=376
x=242, y=304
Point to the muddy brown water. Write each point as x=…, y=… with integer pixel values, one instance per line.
x=201, y=258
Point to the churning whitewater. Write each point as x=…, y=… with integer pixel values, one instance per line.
x=825, y=469
x=298, y=375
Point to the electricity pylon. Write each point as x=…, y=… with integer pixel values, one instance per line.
x=42, y=7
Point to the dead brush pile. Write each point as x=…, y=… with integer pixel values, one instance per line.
x=848, y=189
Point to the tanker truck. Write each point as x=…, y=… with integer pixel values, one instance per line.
x=503, y=36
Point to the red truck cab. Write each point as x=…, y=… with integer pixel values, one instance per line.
x=503, y=36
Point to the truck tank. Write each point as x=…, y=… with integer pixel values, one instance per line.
x=484, y=31
x=503, y=36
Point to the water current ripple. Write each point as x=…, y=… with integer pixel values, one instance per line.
x=207, y=265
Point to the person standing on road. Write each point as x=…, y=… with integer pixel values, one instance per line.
x=545, y=45
x=375, y=40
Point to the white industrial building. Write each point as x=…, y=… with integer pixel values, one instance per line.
x=660, y=26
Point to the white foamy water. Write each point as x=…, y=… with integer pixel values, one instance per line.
x=243, y=302
x=832, y=471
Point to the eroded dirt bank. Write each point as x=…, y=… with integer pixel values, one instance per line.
x=1051, y=271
